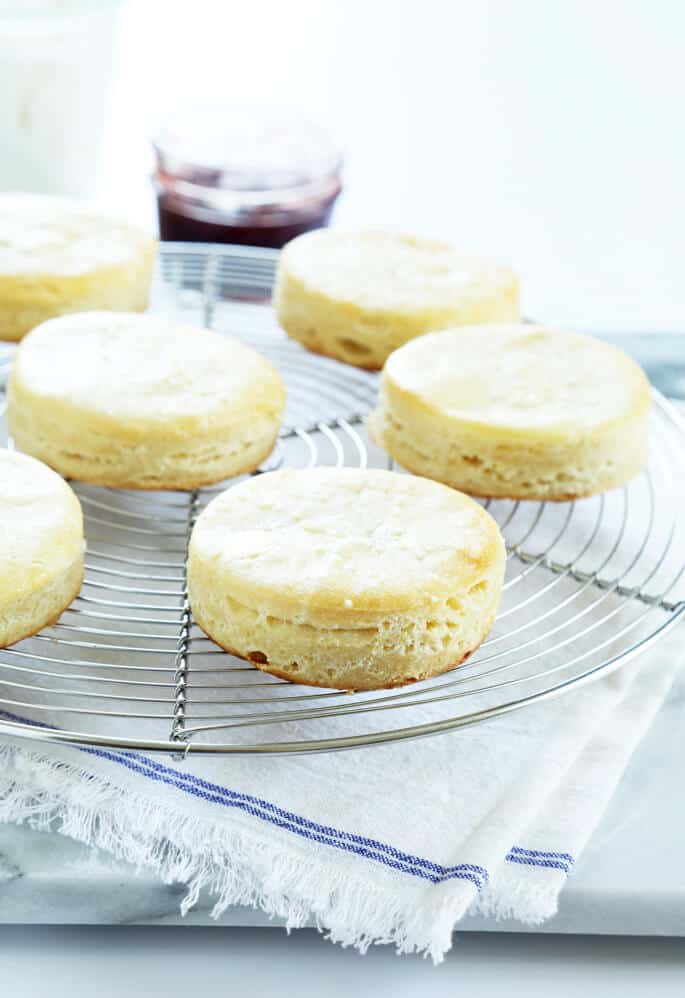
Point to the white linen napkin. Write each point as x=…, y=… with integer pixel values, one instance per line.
x=389, y=844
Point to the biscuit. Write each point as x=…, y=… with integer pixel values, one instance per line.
x=357, y=296
x=41, y=546
x=516, y=412
x=137, y=401
x=58, y=257
x=346, y=578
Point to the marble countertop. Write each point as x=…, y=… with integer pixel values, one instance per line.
x=166, y=960
x=630, y=879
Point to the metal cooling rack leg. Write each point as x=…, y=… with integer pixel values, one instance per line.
x=209, y=288
x=178, y=733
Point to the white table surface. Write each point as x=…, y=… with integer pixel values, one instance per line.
x=155, y=963
x=545, y=134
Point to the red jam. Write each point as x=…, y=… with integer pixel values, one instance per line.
x=243, y=176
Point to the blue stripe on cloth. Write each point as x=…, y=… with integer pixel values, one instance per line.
x=543, y=853
x=345, y=841
x=554, y=864
x=359, y=845
x=541, y=858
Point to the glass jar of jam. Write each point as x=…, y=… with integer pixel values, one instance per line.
x=242, y=175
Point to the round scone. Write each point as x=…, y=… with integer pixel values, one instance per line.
x=136, y=401
x=41, y=546
x=57, y=257
x=357, y=296
x=516, y=412
x=345, y=578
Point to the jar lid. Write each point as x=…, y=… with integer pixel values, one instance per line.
x=244, y=148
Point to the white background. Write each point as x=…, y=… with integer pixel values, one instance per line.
x=546, y=133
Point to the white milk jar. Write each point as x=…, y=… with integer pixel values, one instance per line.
x=55, y=72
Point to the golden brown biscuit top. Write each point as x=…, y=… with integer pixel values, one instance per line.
x=353, y=541
x=142, y=372
x=41, y=526
x=59, y=238
x=389, y=271
x=519, y=378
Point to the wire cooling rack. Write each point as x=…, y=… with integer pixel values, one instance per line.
x=589, y=585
